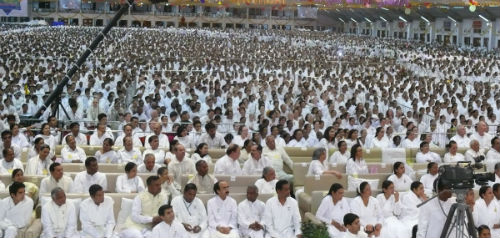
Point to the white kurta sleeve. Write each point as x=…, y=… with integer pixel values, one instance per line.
x=137, y=212
x=203, y=216
x=86, y=222
x=47, y=223
x=110, y=220
x=71, y=222
x=322, y=211
x=121, y=186
x=296, y=220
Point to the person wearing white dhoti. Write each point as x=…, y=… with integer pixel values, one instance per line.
x=356, y=164
x=190, y=212
x=267, y=184
x=256, y=163
x=39, y=165
x=83, y=180
x=401, y=181
x=58, y=217
x=332, y=210
x=250, y=214
x=278, y=157
x=181, y=165
x=101, y=225
x=129, y=153
x=9, y=162
x=15, y=211
x=428, y=179
x=391, y=208
x=169, y=226
x=203, y=181
x=222, y=212
x=433, y=214
x=129, y=182
x=426, y=156
x=107, y=154
x=368, y=208
x=156, y=150
x=229, y=164
x=71, y=153
x=281, y=215
x=487, y=211
x=56, y=179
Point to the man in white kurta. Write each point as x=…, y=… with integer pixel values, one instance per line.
x=157, y=151
x=257, y=162
x=169, y=227
x=129, y=153
x=93, y=225
x=222, y=213
x=162, y=138
x=58, y=216
x=278, y=156
x=149, y=165
x=203, y=180
x=144, y=215
x=71, y=153
x=250, y=214
x=39, y=165
x=15, y=211
x=282, y=216
x=190, y=212
x=229, y=164
x=84, y=179
x=431, y=219
x=9, y=162
x=181, y=165
x=56, y=179
x=482, y=136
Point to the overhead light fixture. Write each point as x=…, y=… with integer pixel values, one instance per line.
x=353, y=20
x=383, y=8
x=484, y=18
x=342, y=20
x=451, y=18
x=383, y=19
x=402, y=19
x=368, y=20
x=425, y=19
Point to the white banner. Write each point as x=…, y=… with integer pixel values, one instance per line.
x=14, y=8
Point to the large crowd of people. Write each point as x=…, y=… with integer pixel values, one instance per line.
x=157, y=100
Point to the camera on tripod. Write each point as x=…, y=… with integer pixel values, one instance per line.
x=462, y=176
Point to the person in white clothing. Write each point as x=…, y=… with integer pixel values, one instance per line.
x=493, y=155
x=390, y=203
x=201, y=153
x=81, y=139
x=155, y=149
x=461, y=138
x=411, y=141
x=401, y=181
x=71, y=153
x=318, y=167
x=368, y=208
x=20, y=205
x=222, y=213
x=433, y=214
x=256, y=163
x=168, y=183
x=428, y=179
x=9, y=162
x=203, y=180
x=453, y=156
x=332, y=210
x=127, y=132
x=149, y=165
x=58, y=217
x=181, y=165
x=352, y=224
x=129, y=153
x=101, y=225
x=281, y=216
x=169, y=227
x=487, y=211
x=129, y=182
x=475, y=153
x=229, y=164
x=356, y=164
x=426, y=156
x=278, y=157
x=97, y=138
x=83, y=180
x=163, y=142
x=340, y=156
x=482, y=136
x=250, y=214
x=107, y=154
x=190, y=212
x=380, y=140
x=410, y=212
x=267, y=184
x=56, y=179
x=39, y=165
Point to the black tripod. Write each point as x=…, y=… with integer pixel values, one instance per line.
x=456, y=220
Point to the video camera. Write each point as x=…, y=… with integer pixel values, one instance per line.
x=462, y=176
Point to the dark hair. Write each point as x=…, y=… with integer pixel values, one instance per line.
x=378, y=130
x=94, y=188
x=217, y=186
x=53, y=166
x=151, y=138
x=395, y=166
x=280, y=184
x=349, y=218
x=129, y=166
x=15, y=171
x=15, y=186
x=73, y=125
x=44, y=146
x=109, y=141
x=361, y=187
x=37, y=140
x=210, y=126
x=190, y=186
x=493, y=140
x=481, y=228
x=424, y=143
x=151, y=179
x=386, y=184
x=414, y=185
x=340, y=143
x=496, y=186
x=161, y=169
x=326, y=134
x=163, y=208
x=90, y=160
x=100, y=116
x=7, y=132
x=198, y=149
x=180, y=129
x=483, y=190
x=353, y=150
x=334, y=188
x=232, y=148
x=429, y=166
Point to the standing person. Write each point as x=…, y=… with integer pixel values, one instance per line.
x=433, y=214
x=222, y=213
x=282, y=216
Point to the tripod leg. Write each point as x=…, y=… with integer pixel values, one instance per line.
x=471, y=227
x=451, y=213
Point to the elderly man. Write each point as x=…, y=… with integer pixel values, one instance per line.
x=162, y=138
x=229, y=164
x=181, y=165
x=129, y=153
x=204, y=181
x=56, y=179
x=257, y=162
x=475, y=153
x=461, y=138
x=71, y=153
x=278, y=156
x=91, y=176
x=15, y=211
x=267, y=184
x=222, y=213
x=250, y=214
x=144, y=214
x=58, y=216
x=190, y=211
x=102, y=225
x=482, y=136
x=155, y=149
x=282, y=216
x=127, y=132
x=9, y=162
x=149, y=165
x=39, y=164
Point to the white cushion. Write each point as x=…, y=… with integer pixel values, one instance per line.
x=125, y=210
x=353, y=183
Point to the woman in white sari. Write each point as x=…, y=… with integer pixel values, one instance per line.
x=391, y=208
x=410, y=212
x=333, y=209
x=368, y=209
